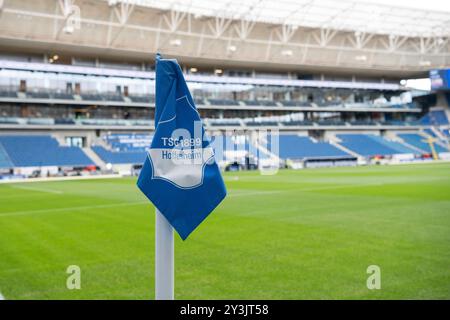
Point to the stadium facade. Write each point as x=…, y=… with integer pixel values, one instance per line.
x=77, y=85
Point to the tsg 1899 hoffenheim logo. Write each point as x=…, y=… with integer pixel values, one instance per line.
x=180, y=155
x=182, y=167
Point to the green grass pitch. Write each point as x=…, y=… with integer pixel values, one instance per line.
x=307, y=234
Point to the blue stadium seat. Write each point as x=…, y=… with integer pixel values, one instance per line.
x=41, y=150
x=372, y=145
x=119, y=157
x=298, y=147
x=5, y=162
x=419, y=141
x=435, y=117
x=124, y=148
x=438, y=117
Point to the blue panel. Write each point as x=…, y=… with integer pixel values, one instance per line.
x=35, y=151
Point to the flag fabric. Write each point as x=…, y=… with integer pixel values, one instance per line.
x=180, y=175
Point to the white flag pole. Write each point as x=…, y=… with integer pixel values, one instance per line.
x=164, y=259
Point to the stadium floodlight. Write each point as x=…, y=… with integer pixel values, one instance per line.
x=361, y=58
x=232, y=48
x=175, y=42
x=424, y=63
x=218, y=71
x=287, y=53
x=193, y=70
x=68, y=29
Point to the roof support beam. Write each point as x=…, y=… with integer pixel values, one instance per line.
x=122, y=12
x=243, y=28
x=285, y=32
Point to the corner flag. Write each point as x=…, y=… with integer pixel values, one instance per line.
x=180, y=175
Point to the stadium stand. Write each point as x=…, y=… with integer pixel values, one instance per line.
x=113, y=97
x=119, y=157
x=299, y=147
x=5, y=162
x=251, y=102
x=41, y=150
x=419, y=142
x=91, y=97
x=297, y=123
x=438, y=117
x=371, y=145
x=124, y=148
x=435, y=117
x=38, y=95
x=9, y=94
x=63, y=96
x=129, y=142
x=142, y=99
x=267, y=103
x=430, y=133
x=256, y=122
x=223, y=102
x=293, y=103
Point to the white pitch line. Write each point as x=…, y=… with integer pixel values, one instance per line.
x=1, y=296
x=37, y=189
x=18, y=213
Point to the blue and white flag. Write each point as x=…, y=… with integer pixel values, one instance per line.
x=180, y=175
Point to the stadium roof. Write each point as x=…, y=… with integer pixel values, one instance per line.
x=339, y=36
x=405, y=18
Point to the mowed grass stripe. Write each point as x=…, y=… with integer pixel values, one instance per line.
x=296, y=235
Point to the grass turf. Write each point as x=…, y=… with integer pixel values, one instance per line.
x=297, y=235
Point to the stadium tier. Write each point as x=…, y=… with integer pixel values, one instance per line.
x=299, y=147
x=436, y=118
x=119, y=157
x=38, y=151
x=100, y=102
x=439, y=117
x=129, y=142
x=421, y=142
x=369, y=145
x=124, y=148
